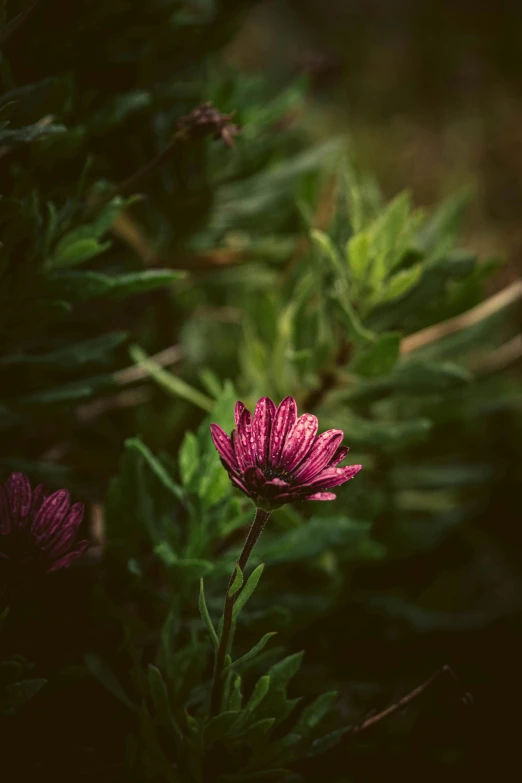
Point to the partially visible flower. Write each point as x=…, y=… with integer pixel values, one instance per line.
x=277, y=458
x=206, y=120
x=37, y=530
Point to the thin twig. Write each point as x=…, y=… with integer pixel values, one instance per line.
x=136, y=372
x=431, y=334
x=499, y=359
x=446, y=671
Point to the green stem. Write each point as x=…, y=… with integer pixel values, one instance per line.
x=217, y=686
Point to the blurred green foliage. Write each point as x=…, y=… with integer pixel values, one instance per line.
x=130, y=321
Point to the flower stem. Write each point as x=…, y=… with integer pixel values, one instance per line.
x=255, y=531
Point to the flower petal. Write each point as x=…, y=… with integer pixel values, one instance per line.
x=223, y=446
x=254, y=478
x=339, y=455
x=38, y=497
x=61, y=539
x=322, y=451
x=238, y=411
x=5, y=513
x=261, y=426
x=19, y=493
x=51, y=514
x=283, y=422
x=298, y=441
x=332, y=477
x=65, y=560
x=321, y=496
x=244, y=442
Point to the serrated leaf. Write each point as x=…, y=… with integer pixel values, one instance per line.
x=206, y=616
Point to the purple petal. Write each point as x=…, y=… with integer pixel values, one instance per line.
x=332, y=477
x=322, y=451
x=5, y=515
x=321, y=496
x=51, y=514
x=59, y=542
x=223, y=446
x=238, y=411
x=283, y=422
x=261, y=426
x=65, y=560
x=39, y=495
x=339, y=455
x=244, y=442
x=298, y=441
x=239, y=484
x=19, y=493
x=254, y=478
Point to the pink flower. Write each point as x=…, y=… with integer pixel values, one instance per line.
x=37, y=530
x=277, y=458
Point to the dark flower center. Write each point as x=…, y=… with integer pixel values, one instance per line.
x=271, y=473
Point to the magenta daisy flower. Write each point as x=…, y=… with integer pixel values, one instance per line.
x=277, y=458
x=37, y=530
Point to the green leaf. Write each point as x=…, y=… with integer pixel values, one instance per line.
x=188, y=458
x=170, y=382
x=322, y=744
x=107, y=678
x=28, y=134
x=236, y=582
x=219, y=726
x=257, y=730
x=356, y=329
x=358, y=255
x=235, y=699
x=84, y=285
x=378, y=358
x=259, y=693
x=160, y=699
x=253, y=652
x=155, y=465
x=76, y=252
x=397, y=286
x=205, y=615
x=313, y=714
x=171, y=559
x=247, y=591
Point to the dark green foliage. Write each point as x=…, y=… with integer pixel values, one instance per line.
x=148, y=283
